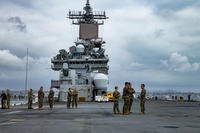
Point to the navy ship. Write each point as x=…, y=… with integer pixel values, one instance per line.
x=84, y=66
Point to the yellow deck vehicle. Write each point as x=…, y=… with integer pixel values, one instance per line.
x=109, y=94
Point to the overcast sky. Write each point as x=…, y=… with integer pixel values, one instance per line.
x=156, y=42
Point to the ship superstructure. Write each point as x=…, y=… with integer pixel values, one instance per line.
x=85, y=66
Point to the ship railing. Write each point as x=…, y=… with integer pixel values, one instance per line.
x=56, y=67
x=57, y=60
x=81, y=14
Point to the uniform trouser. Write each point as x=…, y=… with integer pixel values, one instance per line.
x=3, y=104
x=116, y=106
x=51, y=103
x=40, y=103
x=8, y=104
x=74, y=101
x=130, y=105
x=142, y=105
x=126, y=105
x=30, y=102
x=68, y=102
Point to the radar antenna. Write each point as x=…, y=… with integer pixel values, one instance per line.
x=88, y=2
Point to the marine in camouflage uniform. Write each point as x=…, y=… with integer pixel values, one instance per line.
x=142, y=98
x=126, y=97
x=3, y=100
x=69, y=98
x=131, y=91
x=30, y=99
x=116, y=96
x=40, y=98
x=74, y=98
x=8, y=98
x=51, y=98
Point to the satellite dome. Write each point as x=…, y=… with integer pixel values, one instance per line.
x=80, y=48
x=65, y=66
x=101, y=81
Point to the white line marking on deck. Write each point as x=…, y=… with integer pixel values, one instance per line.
x=13, y=112
x=7, y=123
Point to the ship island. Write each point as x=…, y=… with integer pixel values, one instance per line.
x=85, y=66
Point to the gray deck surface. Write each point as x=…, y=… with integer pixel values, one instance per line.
x=160, y=117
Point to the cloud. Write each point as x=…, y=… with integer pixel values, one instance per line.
x=159, y=33
x=167, y=7
x=136, y=64
x=22, y=3
x=180, y=63
x=17, y=23
x=13, y=71
x=8, y=60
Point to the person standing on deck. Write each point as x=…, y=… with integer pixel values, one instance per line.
x=51, y=98
x=40, y=98
x=142, y=99
x=8, y=98
x=116, y=96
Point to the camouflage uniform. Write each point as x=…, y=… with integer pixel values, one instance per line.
x=3, y=100
x=40, y=98
x=8, y=99
x=30, y=99
x=142, y=100
x=51, y=99
x=131, y=91
x=69, y=98
x=126, y=97
x=116, y=96
x=75, y=98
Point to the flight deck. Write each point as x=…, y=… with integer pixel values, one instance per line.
x=91, y=117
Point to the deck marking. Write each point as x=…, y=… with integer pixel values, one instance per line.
x=17, y=120
x=7, y=123
x=11, y=121
x=13, y=112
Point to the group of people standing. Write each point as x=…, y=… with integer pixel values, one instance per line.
x=72, y=98
x=41, y=96
x=5, y=99
x=128, y=97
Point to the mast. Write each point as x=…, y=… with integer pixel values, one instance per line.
x=88, y=2
x=87, y=16
x=26, y=79
x=88, y=21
